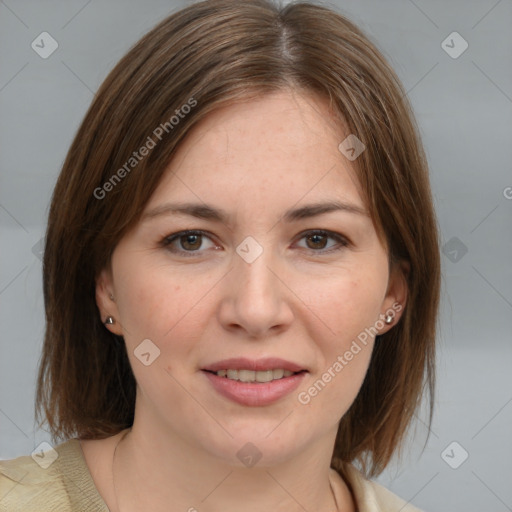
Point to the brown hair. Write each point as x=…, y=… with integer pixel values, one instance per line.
x=214, y=53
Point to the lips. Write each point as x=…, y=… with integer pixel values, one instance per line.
x=241, y=363
x=253, y=382
x=254, y=376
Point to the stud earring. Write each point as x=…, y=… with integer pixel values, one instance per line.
x=110, y=320
x=111, y=297
x=389, y=319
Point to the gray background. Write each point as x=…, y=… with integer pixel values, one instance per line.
x=464, y=108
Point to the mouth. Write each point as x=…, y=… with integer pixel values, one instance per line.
x=254, y=382
x=255, y=376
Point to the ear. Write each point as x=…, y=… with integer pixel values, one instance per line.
x=105, y=300
x=396, y=294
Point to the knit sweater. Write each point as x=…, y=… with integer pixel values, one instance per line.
x=66, y=485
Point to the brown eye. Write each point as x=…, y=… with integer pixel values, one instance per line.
x=190, y=242
x=187, y=243
x=316, y=241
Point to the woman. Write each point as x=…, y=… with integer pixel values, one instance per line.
x=241, y=275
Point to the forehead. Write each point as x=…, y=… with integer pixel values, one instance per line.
x=281, y=147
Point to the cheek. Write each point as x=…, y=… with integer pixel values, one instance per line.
x=345, y=306
x=158, y=305
x=329, y=394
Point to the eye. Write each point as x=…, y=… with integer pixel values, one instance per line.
x=316, y=241
x=190, y=241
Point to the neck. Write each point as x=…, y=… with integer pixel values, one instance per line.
x=173, y=473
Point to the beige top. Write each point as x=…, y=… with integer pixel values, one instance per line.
x=67, y=486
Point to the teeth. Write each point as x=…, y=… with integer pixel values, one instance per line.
x=255, y=376
x=278, y=374
x=265, y=376
x=246, y=375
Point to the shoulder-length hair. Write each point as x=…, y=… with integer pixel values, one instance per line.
x=208, y=55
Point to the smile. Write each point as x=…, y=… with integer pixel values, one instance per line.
x=254, y=382
x=255, y=376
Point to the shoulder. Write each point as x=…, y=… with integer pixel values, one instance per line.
x=26, y=485
x=55, y=480
x=370, y=496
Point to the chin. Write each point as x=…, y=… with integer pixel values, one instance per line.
x=258, y=443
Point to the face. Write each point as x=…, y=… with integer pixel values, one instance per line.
x=262, y=287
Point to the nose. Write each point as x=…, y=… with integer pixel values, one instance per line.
x=256, y=299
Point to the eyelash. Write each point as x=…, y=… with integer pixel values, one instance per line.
x=342, y=241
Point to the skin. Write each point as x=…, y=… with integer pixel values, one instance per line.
x=295, y=301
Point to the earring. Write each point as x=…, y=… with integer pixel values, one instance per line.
x=110, y=320
x=389, y=319
x=111, y=297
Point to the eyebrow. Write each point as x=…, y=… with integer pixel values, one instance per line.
x=207, y=212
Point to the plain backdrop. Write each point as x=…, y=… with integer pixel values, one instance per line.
x=463, y=103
